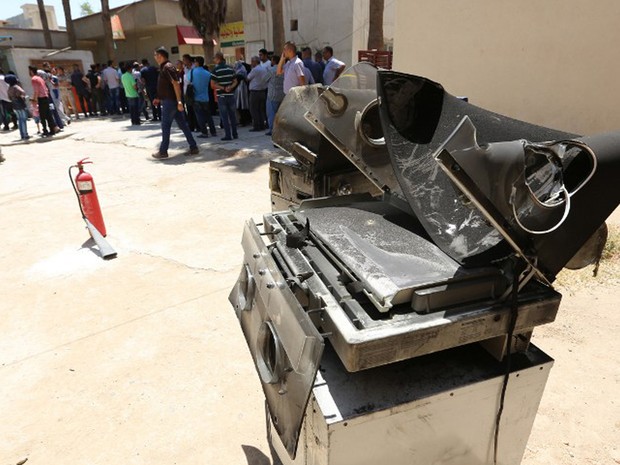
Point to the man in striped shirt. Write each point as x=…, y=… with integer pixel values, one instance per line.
x=225, y=85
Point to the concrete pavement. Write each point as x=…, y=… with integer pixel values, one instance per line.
x=140, y=359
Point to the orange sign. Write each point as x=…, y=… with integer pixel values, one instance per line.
x=117, y=28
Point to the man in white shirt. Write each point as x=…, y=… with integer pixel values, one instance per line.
x=6, y=108
x=333, y=67
x=113, y=83
x=293, y=70
x=258, y=80
x=263, y=56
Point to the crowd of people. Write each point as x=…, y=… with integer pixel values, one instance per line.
x=58, y=96
x=249, y=94
x=188, y=92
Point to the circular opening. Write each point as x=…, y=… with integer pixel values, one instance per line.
x=579, y=164
x=543, y=176
x=245, y=289
x=268, y=354
x=369, y=125
x=336, y=102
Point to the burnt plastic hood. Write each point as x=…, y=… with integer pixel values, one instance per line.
x=419, y=117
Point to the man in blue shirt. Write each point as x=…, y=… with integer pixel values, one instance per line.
x=333, y=67
x=150, y=74
x=200, y=78
x=258, y=79
x=315, y=68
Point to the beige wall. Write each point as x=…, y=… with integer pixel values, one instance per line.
x=30, y=17
x=20, y=58
x=343, y=24
x=32, y=38
x=147, y=24
x=553, y=63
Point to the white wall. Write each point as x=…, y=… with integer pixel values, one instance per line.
x=553, y=63
x=343, y=24
x=19, y=60
x=361, y=24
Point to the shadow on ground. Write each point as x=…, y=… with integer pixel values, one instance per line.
x=91, y=245
x=241, y=159
x=255, y=456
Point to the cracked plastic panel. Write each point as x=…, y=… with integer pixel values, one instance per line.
x=347, y=114
x=417, y=117
x=389, y=260
x=529, y=190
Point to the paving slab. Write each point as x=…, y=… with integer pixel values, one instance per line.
x=139, y=359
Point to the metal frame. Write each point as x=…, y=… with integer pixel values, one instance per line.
x=363, y=342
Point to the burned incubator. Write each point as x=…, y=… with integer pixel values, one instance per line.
x=389, y=298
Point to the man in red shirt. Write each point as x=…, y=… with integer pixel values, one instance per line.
x=41, y=96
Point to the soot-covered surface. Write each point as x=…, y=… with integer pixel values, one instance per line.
x=389, y=259
x=417, y=117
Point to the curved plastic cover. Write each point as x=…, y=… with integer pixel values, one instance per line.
x=418, y=116
x=347, y=114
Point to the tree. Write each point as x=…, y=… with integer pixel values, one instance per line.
x=207, y=16
x=69, y=22
x=86, y=9
x=277, y=20
x=46, y=28
x=375, y=25
x=107, y=29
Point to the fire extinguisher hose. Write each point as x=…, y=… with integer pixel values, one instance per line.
x=105, y=249
x=77, y=194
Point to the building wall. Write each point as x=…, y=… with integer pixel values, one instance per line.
x=136, y=16
x=342, y=24
x=31, y=19
x=20, y=58
x=147, y=25
x=141, y=45
x=361, y=24
x=551, y=63
x=33, y=37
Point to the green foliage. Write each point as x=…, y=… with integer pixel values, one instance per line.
x=612, y=247
x=86, y=9
x=206, y=15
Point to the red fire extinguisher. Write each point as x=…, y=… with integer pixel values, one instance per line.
x=87, y=193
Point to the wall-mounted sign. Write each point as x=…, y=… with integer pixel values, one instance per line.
x=117, y=28
x=232, y=34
